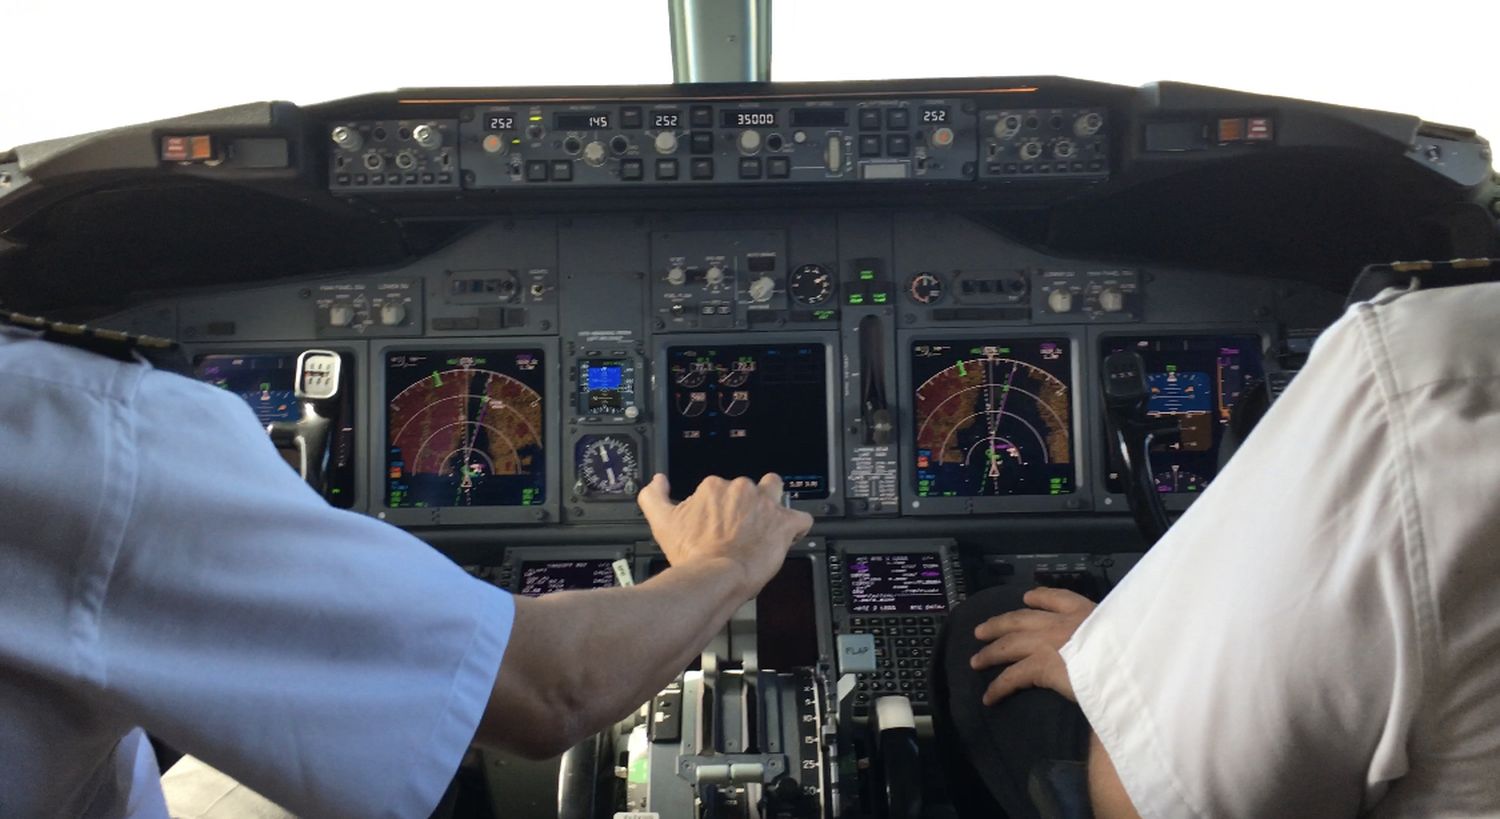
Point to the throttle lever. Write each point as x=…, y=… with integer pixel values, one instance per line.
x=316, y=388
x=1132, y=431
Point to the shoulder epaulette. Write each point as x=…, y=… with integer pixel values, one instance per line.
x=163, y=353
x=1421, y=275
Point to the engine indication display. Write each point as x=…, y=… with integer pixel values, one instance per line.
x=993, y=417
x=608, y=465
x=1195, y=380
x=746, y=410
x=465, y=428
x=885, y=583
x=539, y=577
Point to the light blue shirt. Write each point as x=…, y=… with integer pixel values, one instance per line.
x=161, y=567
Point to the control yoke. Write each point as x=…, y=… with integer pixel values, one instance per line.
x=1132, y=432
x=317, y=388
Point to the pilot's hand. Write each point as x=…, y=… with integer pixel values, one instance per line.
x=1030, y=639
x=738, y=521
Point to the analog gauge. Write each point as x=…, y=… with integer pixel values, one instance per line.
x=736, y=374
x=608, y=465
x=693, y=404
x=924, y=288
x=692, y=374
x=810, y=284
x=736, y=403
x=1177, y=480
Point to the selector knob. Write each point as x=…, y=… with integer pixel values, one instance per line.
x=1060, y=301
x=341, y=315
x=428, y=136
x=347, y=138
x=392, y=313
x=677, y=276
x=762, y=289
x=493, y=144
x=1031, y=150
x=593, y=153
x=1111, y=300
x=666, y=143
x=749, y=141
x=714, y=275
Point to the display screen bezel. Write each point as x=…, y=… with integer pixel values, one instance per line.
x=833, y=503
x=1081, y=405
x=545, y=512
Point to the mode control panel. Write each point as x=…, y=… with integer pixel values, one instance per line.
x=686, y=141
x=368, y=308
x=401, y=154
x=1045, y=142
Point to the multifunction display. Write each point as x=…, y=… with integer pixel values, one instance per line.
x=1195, y=381
x=897, y=583
x=265, y=382
x=539, y=577
x=465, y=428
x=606, y=386
x=745, y=410
x=993, y=417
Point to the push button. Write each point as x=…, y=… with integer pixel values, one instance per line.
x=898, y=145
x=897, y=119
x=778, y=167
x=631, y=170
x=869, y=145
x=536, y=170
x=869, y=119
x=666, y=169
x=703, y=168
x=750, y=168
x=702, y=142
x=562, y=170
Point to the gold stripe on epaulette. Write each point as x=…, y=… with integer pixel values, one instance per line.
x=1409, y=267
x=1468, y=264
x=70, y=329
x=111, y=335
x=29, y=321
x=153, y=341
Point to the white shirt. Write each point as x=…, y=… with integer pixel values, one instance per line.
x=160, y=566
x=1319, y=635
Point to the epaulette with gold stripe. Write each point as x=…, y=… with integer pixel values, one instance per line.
x=1422, y=275
x=163, y=353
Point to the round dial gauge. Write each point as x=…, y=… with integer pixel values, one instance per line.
x=810, y=284
x=924, y=288
x=608, y=465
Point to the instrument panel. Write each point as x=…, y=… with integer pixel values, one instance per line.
x=886, y=364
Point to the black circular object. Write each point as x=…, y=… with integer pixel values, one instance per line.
x=810, y=284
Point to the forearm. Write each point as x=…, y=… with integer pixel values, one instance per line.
x=1106, y=791
x=580, y=660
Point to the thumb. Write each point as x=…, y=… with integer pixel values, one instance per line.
x=656, y=499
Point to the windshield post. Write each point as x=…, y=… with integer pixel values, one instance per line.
x=720, y=40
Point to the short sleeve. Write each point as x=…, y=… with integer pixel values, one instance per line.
x=1266, y=658
x=329, y=661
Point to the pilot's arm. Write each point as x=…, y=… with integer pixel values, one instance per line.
x=1309, y=638
x=336, y=664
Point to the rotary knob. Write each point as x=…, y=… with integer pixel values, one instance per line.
x=594, y=153
x=666, y=143
x=1060, y=300
x=762, y=289
x=493, y=144
x=392, y=313
x=347, y=138
x=428, y=136
x=749, y=141
x=677, y=276
x=340, y=315
x=1031, y=150
x=714, y=275
x=1111, y=300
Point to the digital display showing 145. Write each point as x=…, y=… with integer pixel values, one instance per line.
x=993, y=417
x=465, y=428
x=1195, y=380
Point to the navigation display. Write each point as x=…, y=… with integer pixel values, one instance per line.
x=993, y=417
x=264, y=381
x=747, y=410
x=465, y=428
x=539, y=577
x=1195, y=380
x=896, y=583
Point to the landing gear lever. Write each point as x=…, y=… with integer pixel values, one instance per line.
x=317, y=390
x=1132, y=432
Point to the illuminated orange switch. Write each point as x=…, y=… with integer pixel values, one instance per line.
x=1231, y=129
x=197, y=148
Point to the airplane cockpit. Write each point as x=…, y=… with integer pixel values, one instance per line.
x=991, y=332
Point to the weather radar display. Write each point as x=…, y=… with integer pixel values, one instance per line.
x=465, y=428
x=993, y=417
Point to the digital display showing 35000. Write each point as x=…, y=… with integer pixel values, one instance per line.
x=993, y=417
x=465, y=428
x=747, y=410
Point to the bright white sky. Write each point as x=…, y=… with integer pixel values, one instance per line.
x=69, y=66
